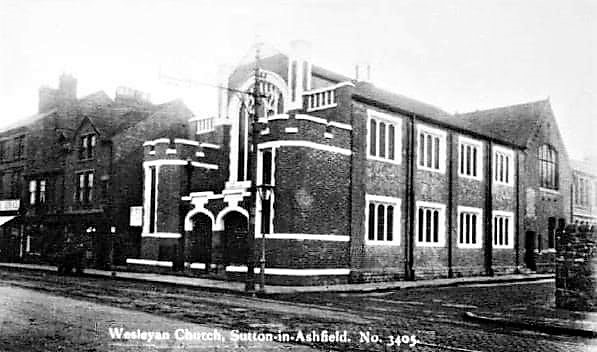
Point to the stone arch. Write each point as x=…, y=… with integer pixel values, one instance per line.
x=188, y=224
x=219, y=223
x=234, y=106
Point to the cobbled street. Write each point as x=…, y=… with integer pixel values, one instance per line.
x=434, y=316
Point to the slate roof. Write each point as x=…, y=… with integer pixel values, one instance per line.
x=585, y=166
x=401, y=102
x=24, y=122
x=113, y=120
x=513, y=124
x=510, y=124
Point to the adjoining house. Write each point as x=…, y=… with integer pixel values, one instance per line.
x=368, y=184
x=584, y=191
x=75, y=167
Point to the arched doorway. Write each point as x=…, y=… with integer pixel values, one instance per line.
x=236, y=230
x=200, y=241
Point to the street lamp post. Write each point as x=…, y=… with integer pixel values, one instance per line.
x=264, y=192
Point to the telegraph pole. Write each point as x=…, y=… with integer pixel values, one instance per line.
x=250, y=278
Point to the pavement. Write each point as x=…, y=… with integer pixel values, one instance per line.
x=544, y=318
x=239, y=287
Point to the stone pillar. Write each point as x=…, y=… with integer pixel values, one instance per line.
x=576, y=269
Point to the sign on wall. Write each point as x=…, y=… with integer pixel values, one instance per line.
x=10, y=204
x=136, y=217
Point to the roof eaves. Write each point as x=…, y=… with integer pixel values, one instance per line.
x=442, y=123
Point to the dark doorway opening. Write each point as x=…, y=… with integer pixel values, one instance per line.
x=236, y=231
x=201, y=239
x=529, y=254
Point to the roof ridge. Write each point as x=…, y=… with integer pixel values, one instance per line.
x=542, y=101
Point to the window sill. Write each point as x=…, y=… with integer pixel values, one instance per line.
x=469, y=246
x=502, y=247
x=469, y=177
x=84, y=160
x=505, y=184
x=384, y=160
x=549, y=190
x=425, y=168
x=381, y=243
x=549, y=250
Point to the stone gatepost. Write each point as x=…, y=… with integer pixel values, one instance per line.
x=576, y=269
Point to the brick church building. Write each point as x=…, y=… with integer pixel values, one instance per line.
x=367, y=184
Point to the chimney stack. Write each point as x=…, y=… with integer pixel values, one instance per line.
x=67, y=87
x=363, y=72
x=299, y=72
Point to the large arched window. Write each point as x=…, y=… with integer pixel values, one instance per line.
x=548, y=167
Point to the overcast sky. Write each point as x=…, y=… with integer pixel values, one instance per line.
x=460, y=55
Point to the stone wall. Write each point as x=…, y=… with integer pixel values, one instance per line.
x=576, y=269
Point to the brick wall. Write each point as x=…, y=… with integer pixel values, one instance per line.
x=576, y=269
x=312, y=191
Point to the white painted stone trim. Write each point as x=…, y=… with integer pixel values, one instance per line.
x=442, y=224
x=304, y=236
x=319, y=120
x=510, y=216
x=479, y=212
x=442, y=135
x=209, y=145
x=161, y=235
x=397, y=204
x=148, y=262
x=307, y=144
x=156, y=141
x=186, y=141
x=291, y=130
x=162, y=162
x=462, y=140
x=200, y=266
x=170, y=151
x=291, y=272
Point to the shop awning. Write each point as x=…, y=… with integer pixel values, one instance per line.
x=5, y=219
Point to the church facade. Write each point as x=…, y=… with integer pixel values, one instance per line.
x=368, y=185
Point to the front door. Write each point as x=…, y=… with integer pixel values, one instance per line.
x=529, y=255
x=201, y=240
x=236, y=232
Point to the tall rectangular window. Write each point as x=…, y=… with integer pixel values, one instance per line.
x=152, y=197
x=87, y=146
x=84, y=191
x=430, y=224
x=470, y=158
x=431, y=148
x=470, y=227
x=384, y=137
x=548, y=167
x=265, y=200
x=503, y=229
x=42, y=191
x=32, y=191
x=382, y=215
x=503, y=165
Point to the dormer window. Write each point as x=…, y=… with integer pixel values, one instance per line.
x=87, y=146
